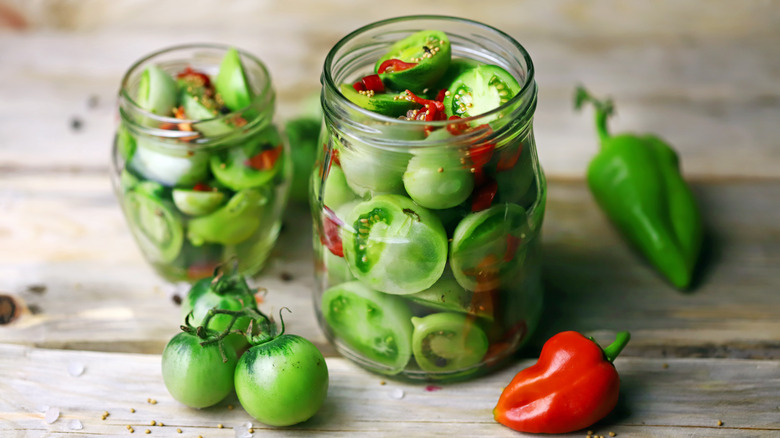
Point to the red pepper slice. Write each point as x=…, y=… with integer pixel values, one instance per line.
x=508, y=158
x=512, y=244
x=394, y=65
x=481, y=154
x=457, y=128
x=483, y=196
x=329, y=235
x=189, y=73
x=573, y=385
x=265, y=159
x=201, y=187
x=358, y=86
x=373, y=83
x=441, y=95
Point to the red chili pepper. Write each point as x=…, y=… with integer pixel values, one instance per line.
x=441, y=94
x=483, y=196
x=573, y=385
x=434, y=110
x=509, y=158
x=265, y=159
x=189, y=73
x=373, y=83
x=329, y=235
x=358, y=86
x=457, y=128
x=201, y=187
x=394, y=65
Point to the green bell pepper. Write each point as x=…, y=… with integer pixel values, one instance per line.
x=636, y=181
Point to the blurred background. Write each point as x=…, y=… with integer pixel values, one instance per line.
x=704, y=74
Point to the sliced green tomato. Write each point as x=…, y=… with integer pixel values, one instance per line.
x=168, y=166
x=208, y=121
x=429, y=49
x=156, y=226
x=479, y=90
x=438, y=179
x=156, y=91
x=372, y=171
x=393, y=245
x=447, y=294
x=488, y=246
x=388, y=104
x=197, y=202
x=448, y=342
x=374, y=325
x=232, y=223
x=231, y=82
x=232, y=167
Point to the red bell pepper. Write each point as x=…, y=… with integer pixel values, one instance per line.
x=573, y=385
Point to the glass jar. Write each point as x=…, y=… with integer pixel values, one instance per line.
x=426, y=233
x=200, y=183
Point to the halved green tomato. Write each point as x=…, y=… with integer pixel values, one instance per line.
x=197, y=202
x=429, y=50
x=231, y=82
x=488, y=246
x=232, y=223
x=393, y=245
x=388, y=104
x=446, y=341
x=252, y=164
x=156, y=91
x=156, y=226
x=374, y=325
x=447, y=294
x=479, y=90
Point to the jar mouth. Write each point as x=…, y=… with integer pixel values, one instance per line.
x=207, y=56
x=524, y=99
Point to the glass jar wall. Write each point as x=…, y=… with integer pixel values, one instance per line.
x=426, y=231
x=198, y=165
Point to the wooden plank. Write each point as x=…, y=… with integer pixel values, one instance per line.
x=658, y=398
x=66, y=233
x=709, y=94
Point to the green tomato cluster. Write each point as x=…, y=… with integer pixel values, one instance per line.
x=280, y=379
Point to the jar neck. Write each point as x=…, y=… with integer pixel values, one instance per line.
x=175, y=132
x=354, y=56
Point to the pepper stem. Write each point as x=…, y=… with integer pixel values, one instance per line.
x=604, y=109
x=614, y=349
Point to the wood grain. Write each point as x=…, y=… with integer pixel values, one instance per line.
x=66, y=232
x=658, y=398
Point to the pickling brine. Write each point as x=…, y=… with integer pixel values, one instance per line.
x=428, y=198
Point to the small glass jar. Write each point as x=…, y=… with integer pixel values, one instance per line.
x=426, y=234
x=200, y=190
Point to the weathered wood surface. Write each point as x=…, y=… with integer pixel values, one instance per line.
x=658, y=398
x=703, y=74
x=65, y=233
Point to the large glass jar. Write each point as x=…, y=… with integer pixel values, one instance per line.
x=426, y=233
x=199, y=167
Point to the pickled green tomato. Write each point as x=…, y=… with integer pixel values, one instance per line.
x=231, y=82
x=430, y=50
x=447, y=294
x=438, y=179
x=197, y=202
x=393, y=245
x=168, y=167
x=375, y=325
x=156, y=91
x=158, y=229
x=479, y=90
x=371, y=171
x=243, y=166
x=196, y=375
x=447, y=342
x=231, y=224
x=488, y=246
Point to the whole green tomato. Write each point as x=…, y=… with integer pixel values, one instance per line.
x=283, y=381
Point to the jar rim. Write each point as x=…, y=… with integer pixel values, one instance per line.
x=329, y=82
x=265, y=90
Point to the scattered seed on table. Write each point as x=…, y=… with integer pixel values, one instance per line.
x=220, y=425
x=720, y=423
x=160, y=424
x=132, y=410
x=178, y=430
x=147, y=431
x=230, y=407
x=612, y=434
x=130, y=429
x=152, y=423
x=75, y=123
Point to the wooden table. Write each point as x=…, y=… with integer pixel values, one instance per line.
x=93, y=317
